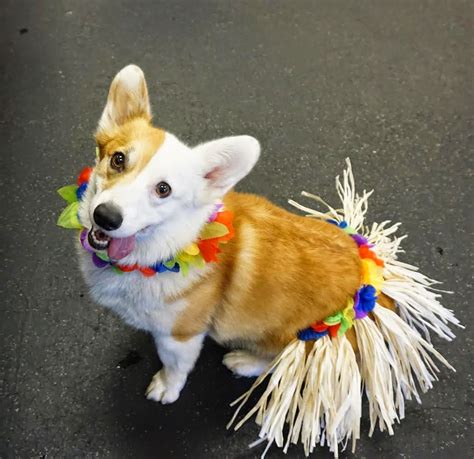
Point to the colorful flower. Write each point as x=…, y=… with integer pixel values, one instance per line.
x=364, y=299
x=217, y=231
x=372, y=274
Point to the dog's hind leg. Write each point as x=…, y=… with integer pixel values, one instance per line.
x=244, y=363
x=178, y=358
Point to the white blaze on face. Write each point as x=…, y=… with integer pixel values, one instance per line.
x=197, y=176
x=140, y=204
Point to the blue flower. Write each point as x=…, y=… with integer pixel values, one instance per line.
x=367, y=298
x=81, y=190
x=308, y=334
x=161, y=268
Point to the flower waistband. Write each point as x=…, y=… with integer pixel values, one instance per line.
x=363, y=300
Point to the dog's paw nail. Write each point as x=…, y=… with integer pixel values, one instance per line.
x=159, y=392
x=156, y=388
x=170, y=396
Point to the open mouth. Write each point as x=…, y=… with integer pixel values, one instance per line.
x=117, y=248
x=98, y=239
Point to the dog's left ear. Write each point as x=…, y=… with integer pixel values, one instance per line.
x=127, y=99
x=226, y=161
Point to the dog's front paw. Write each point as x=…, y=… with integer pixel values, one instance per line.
x=160, y=390
x=243, y=363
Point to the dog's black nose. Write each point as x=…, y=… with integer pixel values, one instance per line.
x=108, y=216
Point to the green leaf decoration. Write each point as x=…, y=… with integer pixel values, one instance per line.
x=214, y=229
x=68, y=218
x=334, y=319
x=68, y=193
x=170, y=263
x=345, y=325
x=197, y=261
x=184, y=268
x=103, y=256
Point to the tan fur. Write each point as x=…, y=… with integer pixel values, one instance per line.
x=279, y=274
x=135, y=134
x=387, y=302
x=202, y=299
x=127, y=99
x=125, y=127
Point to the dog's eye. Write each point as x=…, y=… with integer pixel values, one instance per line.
x=117, y=162
x=163, y=190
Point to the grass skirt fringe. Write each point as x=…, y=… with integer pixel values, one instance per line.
x=315, y=398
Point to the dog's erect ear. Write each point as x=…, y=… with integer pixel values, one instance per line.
x=226, y=161
x=127, y=99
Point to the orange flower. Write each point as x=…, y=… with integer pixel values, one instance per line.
x=365, y=252
x=147, y=272
x=226, y=217
x=127, y=268
x=210, y=247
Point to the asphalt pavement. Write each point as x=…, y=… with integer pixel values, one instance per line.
x=389, y=84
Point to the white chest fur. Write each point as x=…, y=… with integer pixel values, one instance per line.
x=139, y=300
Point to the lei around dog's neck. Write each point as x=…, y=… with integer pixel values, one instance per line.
x=180, y=255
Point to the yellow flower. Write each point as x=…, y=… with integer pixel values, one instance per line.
x=191, y=249
x=371, y=273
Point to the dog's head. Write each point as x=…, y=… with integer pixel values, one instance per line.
x=150, y=193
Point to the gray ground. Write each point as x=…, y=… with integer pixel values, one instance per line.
x=387, y=83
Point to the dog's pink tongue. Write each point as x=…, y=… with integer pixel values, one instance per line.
x=120, y=247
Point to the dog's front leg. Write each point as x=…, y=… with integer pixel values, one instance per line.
x=178, y=358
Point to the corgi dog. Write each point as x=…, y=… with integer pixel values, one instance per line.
x=321, y=306
x=150, y=195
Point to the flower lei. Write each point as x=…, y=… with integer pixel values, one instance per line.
x=364, y=299
x=218, y=230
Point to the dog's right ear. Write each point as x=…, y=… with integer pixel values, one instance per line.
x=127, y=99
x=225, y=162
